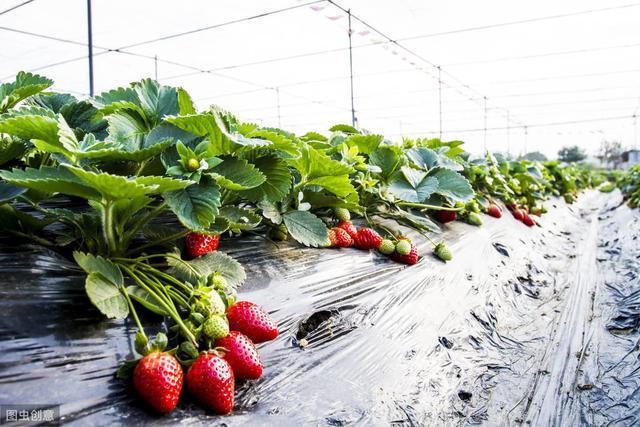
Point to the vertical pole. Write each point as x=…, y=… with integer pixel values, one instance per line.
x=90, y=31
x=440, y=100
x=526, y=137
x=508, y=134
x=635, y=131
x=155, y=66
x=277, y=89
x=353, y=110
x=485, y=124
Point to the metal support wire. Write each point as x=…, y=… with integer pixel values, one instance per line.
x=353, y=109
x=90, y=43
x=440, y=101
x=508, y=134
x=155, y=67
x=485, y=124
x=277, y=89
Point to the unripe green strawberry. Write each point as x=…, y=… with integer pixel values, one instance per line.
x=474, y=219
x=342, y=214
x=403, y=247
x=217, y=304
x=443, y=252
x=387, y=247
x=193, y=165
x=217, y=281
x=216, y=327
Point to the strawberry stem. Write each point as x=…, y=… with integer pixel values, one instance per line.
x=170, y=310
x=134, y=312
x=423, y=206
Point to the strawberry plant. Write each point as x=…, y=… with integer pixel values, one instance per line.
x=134, y=157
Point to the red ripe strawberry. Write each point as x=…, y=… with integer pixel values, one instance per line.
x=158, y=378
x=529, y=222
x=494, y=211
x=241, y=355
x=210, y=380
x=199, y=244
x=367, y=238
x=349, y=228
x=340, y=238
x=446, y=216
x=411, y=258
x=518, y=214
x=253, y=321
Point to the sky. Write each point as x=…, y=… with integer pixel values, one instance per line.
x=537, y=75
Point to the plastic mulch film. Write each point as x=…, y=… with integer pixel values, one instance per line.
x=534, y=325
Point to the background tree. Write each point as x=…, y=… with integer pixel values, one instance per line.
x=610, y=152
x=572, y=154
x=534, y=156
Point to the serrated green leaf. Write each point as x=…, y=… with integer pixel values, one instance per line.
x=206, y=265
x=11, y=149
x=51, y=180
x=10, y=192
x=339, y=185
x=24, y=86
x=277, y=183
x=284, y=146
x=366, y=143
x=95, y=264
x=240, y=219
x=162, y=183
x=106, y=297
x=426, y=158
x=156, y=100
x=270, y=211
x=313, y=136
x=196, y=206
x=412, y=185
x=115, y=186
x=27, y=123
x=237, y=174
x=387, y=159
x=343, y=128
x=306, y=228
x=322, y=200
x=185, y=103
x=452, y=185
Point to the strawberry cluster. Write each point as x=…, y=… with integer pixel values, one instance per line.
x=522, y=214
x=158, y=376
x=345, y=235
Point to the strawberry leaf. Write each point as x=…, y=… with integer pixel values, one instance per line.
x=25, y=85
x=106, y=296
x=237, y=174
x=240, y=219
x=97, y=265
x=343, y=128
x=387, y=158
x=452, y=185
x=51, y=180
x=412, y=185
x=196, y=206
x=306, y=228
x=206, y=265
x=277, y=181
